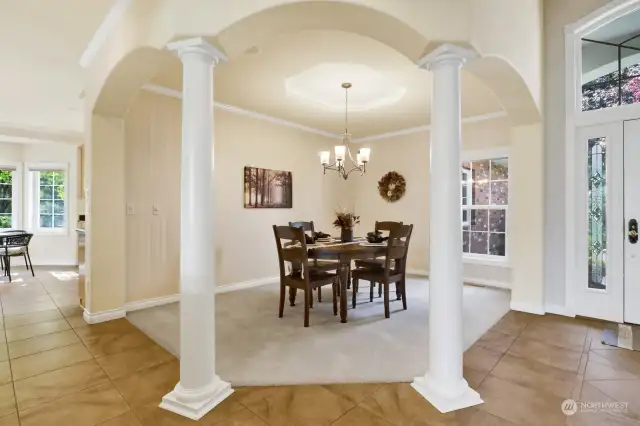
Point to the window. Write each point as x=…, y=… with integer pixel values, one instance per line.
x=611, y=64
x=49, y=208
x=485, y=198
x=6, y=198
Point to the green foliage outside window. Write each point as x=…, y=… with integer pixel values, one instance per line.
x=6, y=200
x=52, y=199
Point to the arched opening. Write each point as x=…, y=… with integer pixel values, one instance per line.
x=145, y=154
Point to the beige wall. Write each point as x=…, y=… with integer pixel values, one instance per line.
x=409, y=156
x=245, y=246
x=557, y=14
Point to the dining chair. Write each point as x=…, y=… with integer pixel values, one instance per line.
x=292, y=248
x=381, y=226
x=397, y=250
x=318, y=264
x=12, y=244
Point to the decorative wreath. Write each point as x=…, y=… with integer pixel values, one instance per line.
x=392, y=186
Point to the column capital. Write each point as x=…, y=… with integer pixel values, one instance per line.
x=446, y=53
x=197, y=45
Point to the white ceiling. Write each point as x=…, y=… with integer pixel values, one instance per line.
x=389, y=92
x=41, y=42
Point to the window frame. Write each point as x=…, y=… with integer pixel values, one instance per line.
x=16, y=192
x=482, y=155
x=32, y=171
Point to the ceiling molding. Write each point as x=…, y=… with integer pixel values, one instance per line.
x=237, y=110
x=111, y=20
x=12, y=133
x=427, y=127
x=160, y=90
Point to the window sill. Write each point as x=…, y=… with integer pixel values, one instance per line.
x=486, y=261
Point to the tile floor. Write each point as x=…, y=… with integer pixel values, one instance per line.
x=57, y=370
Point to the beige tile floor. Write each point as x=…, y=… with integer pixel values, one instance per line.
x=56, y=370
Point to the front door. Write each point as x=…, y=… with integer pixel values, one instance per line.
x=599, y=221
x=632, y=220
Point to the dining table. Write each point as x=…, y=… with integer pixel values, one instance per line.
x=345, y=253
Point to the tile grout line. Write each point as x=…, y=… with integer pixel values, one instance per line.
x=13, y=383
x=110, y=381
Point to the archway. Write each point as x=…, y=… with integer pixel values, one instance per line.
x=252, y=29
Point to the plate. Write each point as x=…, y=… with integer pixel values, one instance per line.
x=365, y=243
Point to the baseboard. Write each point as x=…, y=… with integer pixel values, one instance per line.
x=96, y=317
x=487, y=283
x=478, y=281
x=531, y=308
x=559, y=310
x=246, y=284
x=151, y=303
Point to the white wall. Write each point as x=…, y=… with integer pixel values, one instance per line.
x=557, y=14
x=409, y=156
x=48, y=249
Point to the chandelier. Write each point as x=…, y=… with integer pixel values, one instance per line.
x=343, y=151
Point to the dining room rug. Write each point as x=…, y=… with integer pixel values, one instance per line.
x=255, y=347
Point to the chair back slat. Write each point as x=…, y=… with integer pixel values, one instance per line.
x=12, y=239
x=292, y=248
x=386, y=225
x=398, y=246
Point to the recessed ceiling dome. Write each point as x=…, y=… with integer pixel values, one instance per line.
x=322, y=84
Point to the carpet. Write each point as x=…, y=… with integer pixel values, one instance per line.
x=255, y=347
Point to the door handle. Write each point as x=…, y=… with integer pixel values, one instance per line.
x=633, y=231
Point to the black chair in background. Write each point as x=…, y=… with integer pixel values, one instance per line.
x=13, y=244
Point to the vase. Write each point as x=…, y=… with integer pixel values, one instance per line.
x=346, y=236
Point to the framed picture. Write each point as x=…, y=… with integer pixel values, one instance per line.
x=267, y=189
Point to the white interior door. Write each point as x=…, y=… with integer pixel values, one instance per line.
x=599, y=222
x=632, y=220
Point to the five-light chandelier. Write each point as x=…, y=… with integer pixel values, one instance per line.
x=343, y=151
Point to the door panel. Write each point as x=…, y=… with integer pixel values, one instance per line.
x=599, y=221
x=632, y=218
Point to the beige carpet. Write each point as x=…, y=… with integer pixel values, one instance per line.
x=255, y=347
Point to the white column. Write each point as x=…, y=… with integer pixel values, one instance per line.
x=199, y=389
x=443, y=385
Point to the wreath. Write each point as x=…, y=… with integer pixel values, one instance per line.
x=392, y=186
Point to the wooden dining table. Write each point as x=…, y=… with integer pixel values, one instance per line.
x=345, y=253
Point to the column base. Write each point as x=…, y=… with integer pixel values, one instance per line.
x=195, y=404
x=445, y=403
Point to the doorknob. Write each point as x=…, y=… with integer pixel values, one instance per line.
x=633, y=231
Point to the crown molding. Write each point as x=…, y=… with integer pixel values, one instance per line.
x=241, y=111
x=13, y=133
x=109, y=23
x=427, y=127
x=160, y=90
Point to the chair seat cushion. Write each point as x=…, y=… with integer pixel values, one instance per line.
x=370, y=263
x=13, y=251
x=323, y=265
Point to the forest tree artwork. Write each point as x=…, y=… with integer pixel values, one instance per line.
x=267, y=189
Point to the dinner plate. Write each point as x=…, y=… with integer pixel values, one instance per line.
x=365, y=243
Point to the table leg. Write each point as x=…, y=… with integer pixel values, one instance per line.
x=344, y=280
x=292, y=295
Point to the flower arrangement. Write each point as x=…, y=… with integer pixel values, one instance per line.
x=346, y=220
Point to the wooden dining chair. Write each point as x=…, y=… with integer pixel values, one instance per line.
x=397, y=250
x=292, y=248
x=318, y=264
x=382, y=226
